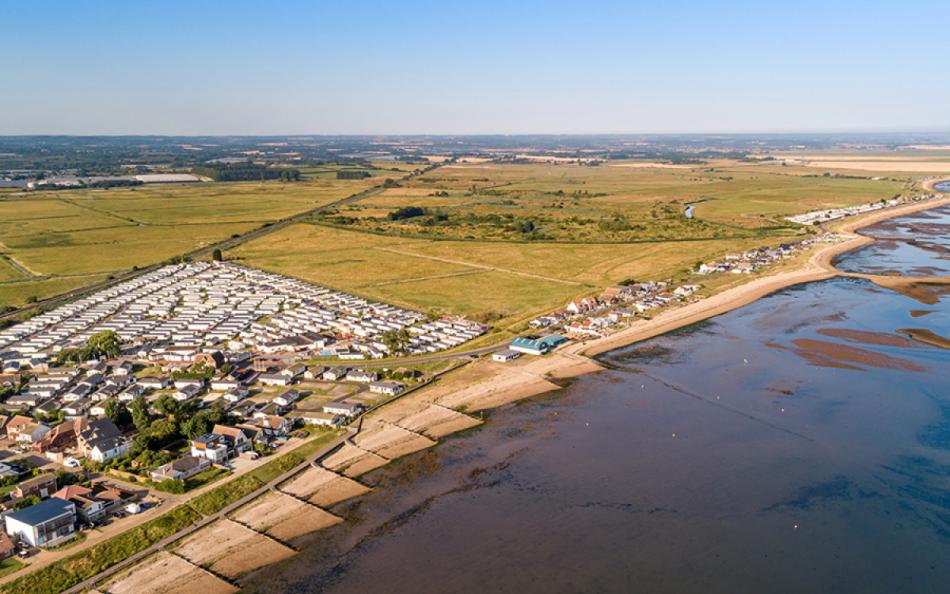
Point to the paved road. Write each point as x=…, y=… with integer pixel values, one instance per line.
x=128, y=561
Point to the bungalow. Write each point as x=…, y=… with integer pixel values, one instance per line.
x=288, y=397
x=335, y=373
x=46, y=523
x=387, y=388
x=153, y=383
x=187, y=393
x=185, y=382
x=314, y=373
x=362, y=376
x=236, y=395
x=293, y=373
x=321, y=418
x=505, y=355
x=223, y=384
x=181, y=469
x=122, y=369
x=345, y=408
x=274, y=379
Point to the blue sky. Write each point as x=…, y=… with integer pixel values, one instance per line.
x=204, y=67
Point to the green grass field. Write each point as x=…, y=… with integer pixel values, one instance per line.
x=58, y=236
x=484, y=271
x=615, y=202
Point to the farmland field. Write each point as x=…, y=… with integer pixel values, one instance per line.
x=473, y=262
x=57, y=237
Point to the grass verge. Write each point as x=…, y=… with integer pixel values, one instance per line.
x=72, y=570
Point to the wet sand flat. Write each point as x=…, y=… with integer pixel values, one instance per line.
x=231, y=549
x=437, y=421
x=323, y=487
x=165, y=573
x=353, y=461
x=821, y=352
x=283, y=516
x=391, y=441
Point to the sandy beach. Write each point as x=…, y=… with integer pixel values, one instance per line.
x=818, y=267
x=454, y=403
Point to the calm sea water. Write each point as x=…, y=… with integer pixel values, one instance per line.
x=918, y=244
x=799, y=444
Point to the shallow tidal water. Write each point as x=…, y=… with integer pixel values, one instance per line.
x=798, y=444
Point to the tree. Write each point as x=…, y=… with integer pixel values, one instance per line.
x=103, y=344
x=118, y=412
x=162, y=432
x=195, y=426
x=140, y=416
x=216, y=255
x=166, y=405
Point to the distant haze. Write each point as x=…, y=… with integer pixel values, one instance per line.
x=489, y=67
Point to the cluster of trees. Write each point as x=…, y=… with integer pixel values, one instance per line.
x=352, y=174
x=397, y=341
x=174, y=422
x=407, y=212
x=199, y=370
x=100, y=345
x=246, y=172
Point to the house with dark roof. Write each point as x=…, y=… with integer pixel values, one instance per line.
x=48, y=522
x=181, y=469
x=102, y=441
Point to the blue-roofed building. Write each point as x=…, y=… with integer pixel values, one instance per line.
x=537, y=346
x=46, y=523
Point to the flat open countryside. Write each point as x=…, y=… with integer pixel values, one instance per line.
x=53, y=242
x=541, y=234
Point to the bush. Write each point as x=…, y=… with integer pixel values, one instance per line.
x=175, y=486
x=217, y=499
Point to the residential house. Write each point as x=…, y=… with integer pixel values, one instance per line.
x=344, y=408
x=41, y=486
x=187, y=392
x=46, y=523
x=102, y=441
x=213, y=447
x=90, y=508
x=320, y=418
x=334, y=374
x=25, y=430
x=181, y=469
x=386, y=388
x=362, y=376
x=288, y=397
